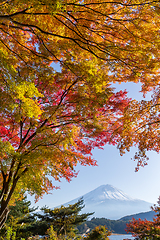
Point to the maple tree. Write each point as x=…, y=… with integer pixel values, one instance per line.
x=144, y=229
x=50, y=120
x=140, y=127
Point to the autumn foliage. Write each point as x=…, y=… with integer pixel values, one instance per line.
x=141, y=127
x=50, y=120
x=144, y=229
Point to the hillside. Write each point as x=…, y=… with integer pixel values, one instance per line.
x=144, y=215
x=116, y=226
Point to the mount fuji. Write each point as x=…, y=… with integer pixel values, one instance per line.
x=111, y=203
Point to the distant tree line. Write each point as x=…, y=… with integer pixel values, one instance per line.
x=115, y=226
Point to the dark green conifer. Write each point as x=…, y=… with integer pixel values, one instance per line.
x=63, y=219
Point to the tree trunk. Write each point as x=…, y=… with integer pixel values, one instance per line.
x=3, y=216
x=9, y=184
x=4, y=210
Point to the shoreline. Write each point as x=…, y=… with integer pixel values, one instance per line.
x=120, y=234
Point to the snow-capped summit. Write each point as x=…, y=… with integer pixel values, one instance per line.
x=112, y=203
x=106, y=192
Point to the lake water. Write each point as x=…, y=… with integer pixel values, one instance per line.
x=120, y=237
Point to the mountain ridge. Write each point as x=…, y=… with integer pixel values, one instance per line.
x=143, y=215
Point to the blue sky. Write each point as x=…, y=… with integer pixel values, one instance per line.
x=113, y=169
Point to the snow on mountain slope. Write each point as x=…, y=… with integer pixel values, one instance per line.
x=112, y=203
x=106, y=192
